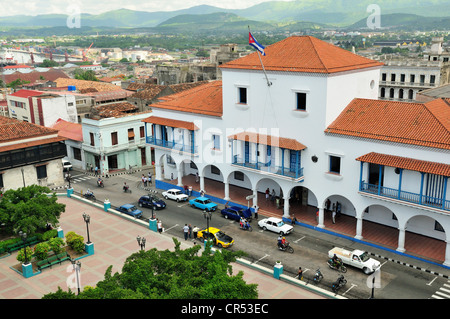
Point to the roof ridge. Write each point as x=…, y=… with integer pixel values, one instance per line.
x=427, y=106
x=317, y=53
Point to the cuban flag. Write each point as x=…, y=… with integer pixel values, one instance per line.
x=252, y=41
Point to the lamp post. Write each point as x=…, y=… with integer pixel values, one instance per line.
x=24, y=239
x=87, y=220
x=141, y=242
x=77, y=267
x=208, y=216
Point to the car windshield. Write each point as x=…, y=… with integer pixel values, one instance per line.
x=206, y=201
x=222, y=236
x=132, y=209
x=280, y=224
x=155, y=198
x=364, y=257
x=176, y=192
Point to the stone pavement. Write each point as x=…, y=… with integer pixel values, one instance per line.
x=114, y=239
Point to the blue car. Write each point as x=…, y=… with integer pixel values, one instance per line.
x=131, y=210
x=235, y=212
x=151, y=201
x=203, y=203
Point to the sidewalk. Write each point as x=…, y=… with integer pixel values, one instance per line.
x=114, y=239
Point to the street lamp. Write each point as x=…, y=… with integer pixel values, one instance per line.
x=77, y=267
x=24, y=239
x=87, y=220
x=208, y=216
x=141, y=242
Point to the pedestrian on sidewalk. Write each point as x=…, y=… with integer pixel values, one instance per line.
x=96, y=170
x=256, y=211
x=267, y=193
x=149, y=178
x=293, y=219
x=190, y=231
x=143, y=179
x=160, y=228
x=195, y=231
x=186, y=231
x=333, y=216
x=300, y=273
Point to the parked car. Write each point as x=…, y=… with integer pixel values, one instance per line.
x=131, y=210
x=151, y=201
x=236, y=212
x=203, y=203
x=219, y=238
x=175, y=194
x=276, y=225
x=67, y=166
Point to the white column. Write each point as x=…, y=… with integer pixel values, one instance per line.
x=202, y=183
x=359, y=223
x=158, y=171
x=180, y=175
x=401, y=240
x=255, y=198
x=447, y=254
x=320, y=223
x=286, y=207
x=227, y=191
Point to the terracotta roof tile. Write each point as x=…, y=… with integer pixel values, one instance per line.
x=72, y=131
x=12, y=129
x=82, y=85
x=401, y=122
x=17, y=146
x=35, y=76
x=172, y=123
x=303, y=54
x=204, y=99
x=115, y=109
x=406, y=163
x=26, y=93
x=282, y=142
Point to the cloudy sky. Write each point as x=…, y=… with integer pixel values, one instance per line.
x=35, y=7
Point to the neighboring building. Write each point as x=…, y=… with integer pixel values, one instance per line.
x=435, y=93
x=93, y=67
x=29, y=154
x=17, y=67
x=311, y=129
x=73, y=132
x=115, y=139
x=35, y=77
x=41, y=108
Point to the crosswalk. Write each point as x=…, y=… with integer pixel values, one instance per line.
x=80, y=178
x=443, y=292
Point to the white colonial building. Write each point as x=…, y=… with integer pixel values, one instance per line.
x=309, y=124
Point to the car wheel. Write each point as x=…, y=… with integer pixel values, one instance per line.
x=178, y=200
x=219, y=245
x=281, y=233
x=165, y=197
x=140, y=204
x=264, y=228
x=225, y=216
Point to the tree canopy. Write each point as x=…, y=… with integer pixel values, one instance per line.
x=29, y=209
x=178, y=274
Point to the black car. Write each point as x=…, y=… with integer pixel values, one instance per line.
x=151, y=201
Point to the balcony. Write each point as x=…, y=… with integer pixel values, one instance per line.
x=171, y=145
x=405, y=196
x=270, y=169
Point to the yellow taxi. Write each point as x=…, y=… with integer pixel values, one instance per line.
x=219, y=238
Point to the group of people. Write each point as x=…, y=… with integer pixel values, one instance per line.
x=189, y=231
x=281, y=242
x=243, y=223
x=146, y=180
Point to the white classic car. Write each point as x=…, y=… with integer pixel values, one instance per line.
x=175, y=194
x=276, y=225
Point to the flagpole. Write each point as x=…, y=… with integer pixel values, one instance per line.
x=262, y=65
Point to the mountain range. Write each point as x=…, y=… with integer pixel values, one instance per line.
x=268, y=15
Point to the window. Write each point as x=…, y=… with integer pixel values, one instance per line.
x=383, y=77
x=432, y=79
x=382, y=92
x=142, y=131
x=400, y=94
x=300, y=101
x=216, y=141
x=393, y=77
x=402, y=78
x=412, y=78
x=130, y=134
x=238, y=176
x=114, y=139
x=391, y=93
x=91, y=135
x=422, y=79
x=242, y=95
x=410, y=94
x=76, y=153
x=41, y=171
x=335, y=164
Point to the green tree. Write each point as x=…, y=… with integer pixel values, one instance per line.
x=178, y=274
x=41, y=250
x=56, y=244
x=48, y=63
x=17, y=82
x=29, y=209
x=88, y=75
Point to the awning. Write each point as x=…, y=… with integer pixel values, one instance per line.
x=172, y=123
x=131, y=133
x=406, y=163
x=275, y=141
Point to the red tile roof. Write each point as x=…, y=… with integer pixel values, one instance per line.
x=72, y=131
x=303, y=54
x=19, y=66
x=12, y=129
x=43, y=141
x=424, y=124
x=203, y=99
x=26, y=93
x=35, y=76
x=172, y=123
x=276, y=141
x=406, y=163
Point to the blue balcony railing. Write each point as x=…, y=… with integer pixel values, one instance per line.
x=264, y=167
x=172, y=145
x=405, y=196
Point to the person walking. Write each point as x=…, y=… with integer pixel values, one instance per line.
x=267, y=193
x=190, y=231
x=143, y=179
x=160, y=228
x=195, y=231
x=186, y=231
x=256, y=211
x=149, y=178
x=300, y=273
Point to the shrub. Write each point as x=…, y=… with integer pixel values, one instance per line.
x=49, y=234
x=21, y=254
x=41, y=250
x=56, y=244
x=75, y=241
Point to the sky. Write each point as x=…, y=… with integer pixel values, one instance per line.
x=35, y=7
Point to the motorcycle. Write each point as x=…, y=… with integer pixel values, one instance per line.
x=339, y=265
x=90, y=196
x=100, y=183
x=339, y=283
x=127, y=189
x=245, y=227
x=317, y=276
x=287, y=247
